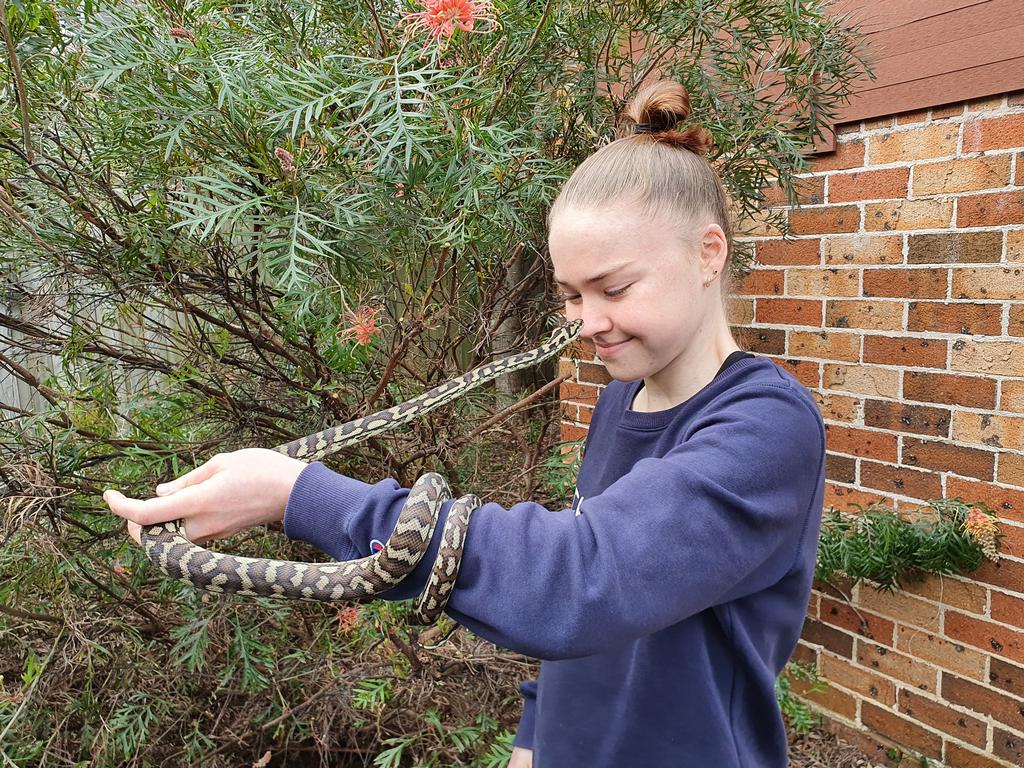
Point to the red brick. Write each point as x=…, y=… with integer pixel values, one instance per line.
x=1012, y=397
x=842, y=469
x=955, y=317
x=1008, y=503
x=911, y=352
x=809, y=191
x=991, y=209
x=939, y=716
x=1008, y=710
x=900, y=480
x=858, y=680
x=830, y=281
x=824, y=220
x=962, y=175
x=1008, y=746
x=964, y=757
x=1011, y=468
x=859, y=622
x=789, y=252
x=805, y=654
x=594, y=373
x=901, y=607
x=1016, y=327
x=875, y=315
x=992, y=430
x=570, y=432
x=761, y=341
x=847, y=499
x=923, y=283
x=863, y=379
x=761, y=282
x=831, y=698
x=863, y=249
x=861, y=442
x=914, y=144
x=904, y=417
x=582, y=349
x=838, y=642
x=836, y=407
x=848, y=154
x=879, y=750
x=943, y=456
x=804, y=371
x=988, y=283
x=1005, y=574
x=901, y=729
x=578, y=393
x=1006, y=676
x=947, y=111
x=907, y=214
x=1009, y=609
x=994, y=133
x=789, y=312
x=917, y=116
x=897, y=665
x=969, y=391
x=868, y=185
x=824, y=345
x=955, y=247
x=946, y=654
x=990, y=637
x=965, y=595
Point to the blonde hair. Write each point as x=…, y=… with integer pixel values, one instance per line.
x=663, y=170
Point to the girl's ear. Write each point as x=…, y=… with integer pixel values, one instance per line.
x=714, y=248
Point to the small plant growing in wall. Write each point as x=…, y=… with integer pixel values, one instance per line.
x=952, y=536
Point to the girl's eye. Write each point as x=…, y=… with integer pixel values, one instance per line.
x=617, y=292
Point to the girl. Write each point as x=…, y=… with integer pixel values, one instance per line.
x=667, y=600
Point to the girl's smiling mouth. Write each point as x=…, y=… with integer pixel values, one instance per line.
x=611, y=349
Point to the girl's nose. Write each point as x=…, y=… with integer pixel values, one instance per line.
x=595, y=320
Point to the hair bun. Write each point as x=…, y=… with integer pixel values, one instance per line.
x=656, y=108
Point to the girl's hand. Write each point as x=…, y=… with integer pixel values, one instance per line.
x=229, y=493
x=521, y=758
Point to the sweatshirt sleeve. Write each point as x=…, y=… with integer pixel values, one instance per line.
x=524, y=733
x=722, y=515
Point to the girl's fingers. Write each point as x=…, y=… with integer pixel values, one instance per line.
x=135, y=532
x=197, y=475
x=158, y=510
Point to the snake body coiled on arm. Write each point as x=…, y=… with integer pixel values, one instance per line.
x=166, y=546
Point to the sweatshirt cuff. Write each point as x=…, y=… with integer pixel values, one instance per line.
x=315, y=489
x=524, y=733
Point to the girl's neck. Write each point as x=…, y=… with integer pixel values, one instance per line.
x=683, y=378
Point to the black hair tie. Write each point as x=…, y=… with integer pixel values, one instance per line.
x=645, y=128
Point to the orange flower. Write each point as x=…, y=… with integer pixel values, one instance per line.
x=347, y=618
x=362, y=325
x=441, y=17
x=983, y=529
x=285, y=158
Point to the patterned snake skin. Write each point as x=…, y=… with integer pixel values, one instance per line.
x=166, y=546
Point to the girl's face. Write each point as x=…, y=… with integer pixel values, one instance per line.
x=637, y=285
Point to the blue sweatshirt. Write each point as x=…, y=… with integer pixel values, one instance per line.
x=665, y=602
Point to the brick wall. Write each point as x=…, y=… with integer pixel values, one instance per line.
x=900, y=305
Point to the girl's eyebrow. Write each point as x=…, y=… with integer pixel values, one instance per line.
x=601, y=276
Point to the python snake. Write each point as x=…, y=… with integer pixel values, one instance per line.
x=166, y=546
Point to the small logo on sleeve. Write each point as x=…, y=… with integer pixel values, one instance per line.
x=375, y=546
x=577, y=502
